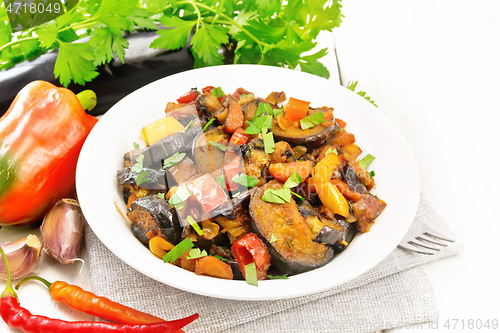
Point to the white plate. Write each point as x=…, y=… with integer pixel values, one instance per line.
x=395, y=167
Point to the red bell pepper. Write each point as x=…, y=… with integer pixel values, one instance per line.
x=250, y=249
x=188, y=97
x=41, y=135
x=207, y=89
x=239, y=137
x=207, y=191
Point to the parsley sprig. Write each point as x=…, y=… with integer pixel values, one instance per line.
x=266, y=32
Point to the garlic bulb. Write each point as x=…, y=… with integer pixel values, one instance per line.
x=62, y=231
x=23, y=255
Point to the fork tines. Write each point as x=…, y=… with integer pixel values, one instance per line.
x=424, y=240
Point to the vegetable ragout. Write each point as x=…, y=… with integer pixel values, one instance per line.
x=237, y=186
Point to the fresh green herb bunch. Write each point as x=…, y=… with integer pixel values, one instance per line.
x=267, y=32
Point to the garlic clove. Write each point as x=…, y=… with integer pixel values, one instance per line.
x=23, y=255
x=62, y=231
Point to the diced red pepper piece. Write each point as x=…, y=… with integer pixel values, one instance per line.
x=189, y=97
x=207, y=192
x=207, y=89
x=239, y=137
x=340, y=122
x=250, y=249
x=296, y=109
x=231, y=169
x=239, y=92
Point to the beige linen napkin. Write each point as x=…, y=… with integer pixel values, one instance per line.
x=395, y=293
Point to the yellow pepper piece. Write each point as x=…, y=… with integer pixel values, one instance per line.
x=332, y=199
x=160, y=129
x=324, y=169
x=159, y=246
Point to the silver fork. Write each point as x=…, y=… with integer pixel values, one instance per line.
x=424, y=240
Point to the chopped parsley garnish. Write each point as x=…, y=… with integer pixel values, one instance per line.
x=245, y=96
x=142, y=178
x=173, y=160
x=268, y=139
x=312, y=120
x=221, y=180
x=208, y=124
x=245, y=180
x=330, y=151
x=195, y=225
x=372, y=174
x=196, y=253
x=273, y=239
x=217, y=92
x=263, y=108
x=178, y=250
x=258, y=123
x=137, y=167
x=279, y=196
x=136, y=145
x=298, y=196
x=179, y=197
x=161, y=195
x=276, y=277
x=366, y=161
x=219, y=257
x=294, y=180
x=277, y=112
x=218, y=145
x=251, y=274
x=189, y=124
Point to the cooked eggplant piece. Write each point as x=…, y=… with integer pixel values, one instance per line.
x=184, y=170
x=347, y=235
x=306, y=210
x=154, y=154
x=294, y=251
x=311, y=138
x=237, y=275
x=207, y=156
x=152, y=216
x=228, y=208
x=209, y=105
x=156, y=178
x=276, y=97
x=328, y=235
x=250, y=108
x=352, y=179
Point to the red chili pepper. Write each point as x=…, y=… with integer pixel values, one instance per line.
x=250, y=249
x=188, y=97
x=18, y=317
x=41, y=137
x=89, y=303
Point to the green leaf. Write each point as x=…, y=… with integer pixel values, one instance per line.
x=115, y=7
x=310, y=64
x=268, y=139
x=372, y=174
x=142, y=178
x=196, y=253
x=245, y=180
x=47, y=35
x=174, y=38
x=207, y=41
x=217, y=92
x=258, y=123
x=178, y=250
x=74, y=62
x=352, y=86
x=117, y=24
x=251, y=274
x=187, y=126
x=323, y=18
x=106, y=44
x=294, y=180
x=161, y=195
x=330, y=151
x=298, y=196
x=366, y=161
x=273, y=239
x=208, y=124
x=181, y=195
x=136, y=145
x=245, y=96
x=221, y=180
x=312, y=120
x=278, y=277
x=195, y=225
x=263, y=108
x=173, y=160
x=137, y=167
x=279, y=196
